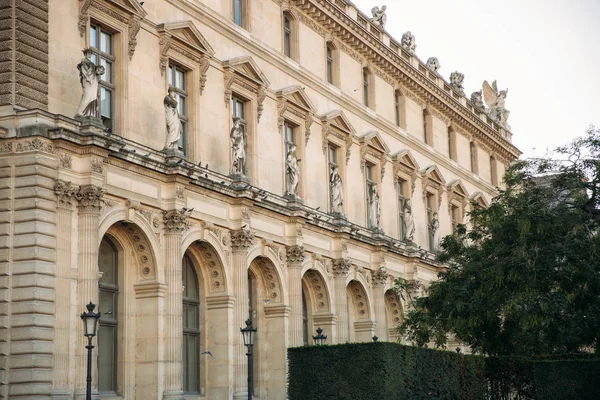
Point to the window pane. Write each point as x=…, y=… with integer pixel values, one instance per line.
x=170, y=76
x=107, y=77
x=106, y=358
x=237, y=12
x=190, y=357
x=106, y=262
x=180, y=79
x=107, y=304
x=93, y=37
x=105, y=42
x=105, y=102
x=94, y=59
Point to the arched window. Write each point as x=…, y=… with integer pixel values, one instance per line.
x=108, y=324
x=191, y=328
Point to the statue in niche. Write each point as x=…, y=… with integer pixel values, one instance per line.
x=495, y=99
x=89, y=77
x=477, y=100
x=409, y=43
x=174, y=127
x=238, y=147
x=379, y=16
x=456, y=82
x=433, y=64
x=434, y=225
x=409, y=222
x=375, y=207
x=337, y=190
x=292, y=171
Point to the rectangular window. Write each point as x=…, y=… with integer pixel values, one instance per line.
x=368, y=184
x=429, y=207
x=425, y=128
x=450, y=145
x=287, y=36
x=237, y=12
x=401, y=204
x=473, y=151
x=455, y=217
x=101, y=42
x=238, y=108
x=397, y=107
x=178, y=81
x=366, y=87
x=108, y=323
x=493, y=173
x=329, y=64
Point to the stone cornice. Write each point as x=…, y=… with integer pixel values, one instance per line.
x=333, y=19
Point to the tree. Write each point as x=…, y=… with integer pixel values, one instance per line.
x=524, y=279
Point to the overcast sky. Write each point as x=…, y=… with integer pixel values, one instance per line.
x=546, y=52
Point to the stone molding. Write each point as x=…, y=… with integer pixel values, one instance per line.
x=379, y=278
x=295, y=254
x=176, y=221
x=90, y=198
x=241, y=239
x=66, y=193
x=341, y=267
x=245, y=73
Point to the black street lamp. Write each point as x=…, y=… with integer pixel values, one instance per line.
x=375, y=338
x=248, y=334
x=90, y=323
x=320, y=339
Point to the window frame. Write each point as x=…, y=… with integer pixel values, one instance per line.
x=427, y=128
x=109, y=320
x=402, y=198
x=288, y=34
x=99, y=56
x=172, y=70
x=473, y=148
x=193, y=332
x=333, y=64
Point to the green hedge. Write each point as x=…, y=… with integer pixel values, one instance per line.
x=390, y=371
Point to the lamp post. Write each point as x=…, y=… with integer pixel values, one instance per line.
x=248, y=334
x=90, y=323
x=320, y=339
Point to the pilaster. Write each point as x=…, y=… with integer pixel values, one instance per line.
x=341, y=267
x=380, y=279
x=295, y=259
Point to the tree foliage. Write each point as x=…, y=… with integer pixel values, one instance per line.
x=524, y=277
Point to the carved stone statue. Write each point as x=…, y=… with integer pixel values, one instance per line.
x=433, y=64
x=456, y=82
x=89, y=77
x=434, y=225
x=409, y=42
x=292, y=172
x=379, y=16
x=495, y=99
x=374, y=207
x=337, y=190
x=409, y=222
x=174, y=127
x=238, y=147
x=477, y=100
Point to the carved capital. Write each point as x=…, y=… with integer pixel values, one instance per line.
x=341, y=267
x=380, y=277
x=90, y=198
x=66, y=193
x=295, y=254
x=176, y=221
x=241, y=239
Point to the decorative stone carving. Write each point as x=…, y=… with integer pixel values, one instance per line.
x=409, y=42
x=65, y=161
x=477, y=99
x=83, y=16
x=97, y=165
x=360, y=300
x=299, y=231
x=241, y=239
x=6, y=147
x=336, y=190
x=180, y=192
x=341, y=267
x=295, y=254
x=176, y=221
x=35, y=145
x=292, y=171
x=409, y=221
x=238, y=147
x=270, y=278
x=379, y=17
x=434, y=225
x=134, y=28
x=380, y=277
x=320, y=289
x=456, y=82
x=245, y=213
x=89, y=77
x=65, y=192
x=433, y=64
x=495, y=99
x=174, y=127
x=90, y=198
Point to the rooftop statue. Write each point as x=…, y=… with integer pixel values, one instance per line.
x=495, y=99
x=433, y=64
x=409, y=42
x=456, y=82
x=477, y=100
x=379, y=16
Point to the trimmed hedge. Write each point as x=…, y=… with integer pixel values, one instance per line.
x=390, y=371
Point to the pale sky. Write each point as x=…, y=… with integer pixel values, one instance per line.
x=546, y=52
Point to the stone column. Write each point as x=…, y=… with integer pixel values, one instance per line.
x=295, y=258
x=380, y=278
x=175, y=223
x=241, y=240
x=341, y=267
x=65, y=193
x=89, y=206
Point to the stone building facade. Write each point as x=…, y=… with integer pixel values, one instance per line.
x=176, y=247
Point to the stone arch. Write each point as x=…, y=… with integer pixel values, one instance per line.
x=357, y=295
x=394, y=312
x=318, y=291
x=265, y=263
x=208, y=253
